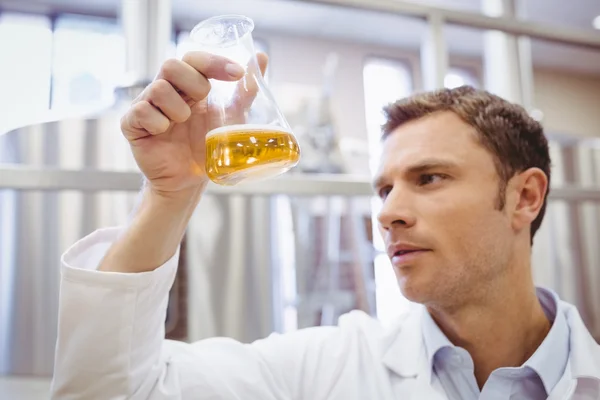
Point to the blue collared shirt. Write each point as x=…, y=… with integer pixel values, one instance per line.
x=452, y=369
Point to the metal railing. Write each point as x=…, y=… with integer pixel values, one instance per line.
x=559, y=34
x=48, y=179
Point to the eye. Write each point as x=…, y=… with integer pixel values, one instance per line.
x=428, y=179
x=384, y=191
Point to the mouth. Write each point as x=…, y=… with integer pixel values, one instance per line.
x=403, y=252
x=401, y=257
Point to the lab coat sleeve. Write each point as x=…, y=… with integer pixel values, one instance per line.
x=111, y=341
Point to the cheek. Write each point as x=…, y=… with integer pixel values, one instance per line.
x=461, y=216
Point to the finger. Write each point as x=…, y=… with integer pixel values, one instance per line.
x=163, y=95
x=143, y=119
x=263, y=61
x=247, y=88
x=185, y=79
x=213, y=66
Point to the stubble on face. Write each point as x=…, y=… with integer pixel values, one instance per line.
x=456, y=213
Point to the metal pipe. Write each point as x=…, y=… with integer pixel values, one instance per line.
x=44, y=179
x=434, y=54
x=559, y=34
x=525, y=60
x=147, y=26
x=501, y=61
x=34, y=178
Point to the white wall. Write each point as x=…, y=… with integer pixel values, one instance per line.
x=570, y=102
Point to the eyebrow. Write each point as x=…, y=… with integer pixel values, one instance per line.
x=424, y=165
x=431, y=163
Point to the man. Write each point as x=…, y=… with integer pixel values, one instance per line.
x=463, y=178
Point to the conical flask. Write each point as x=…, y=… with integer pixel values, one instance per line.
x=249, y=138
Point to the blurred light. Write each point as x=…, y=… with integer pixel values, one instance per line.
x=452, y=81
x=536, y=114
x=25, y=68
x=596, y=22
x=384, y=81
x=82, y=79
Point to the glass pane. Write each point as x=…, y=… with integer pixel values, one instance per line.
x=89, y=61
x=26, y=48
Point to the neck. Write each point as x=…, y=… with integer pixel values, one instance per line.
x=501, y=328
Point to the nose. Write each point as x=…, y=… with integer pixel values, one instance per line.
x=396, y=211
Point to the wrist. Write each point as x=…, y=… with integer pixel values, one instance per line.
x=178, y=201
x=153, y=235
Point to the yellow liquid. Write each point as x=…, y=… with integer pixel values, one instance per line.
x=249, y=152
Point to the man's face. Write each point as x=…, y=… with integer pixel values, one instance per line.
x=445, y=235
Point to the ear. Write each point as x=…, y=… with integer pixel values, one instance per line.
x=530, y=187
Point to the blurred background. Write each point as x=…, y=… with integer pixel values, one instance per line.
x=301, y=249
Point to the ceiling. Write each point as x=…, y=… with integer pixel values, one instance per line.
x=309, y=19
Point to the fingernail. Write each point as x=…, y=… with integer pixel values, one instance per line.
x=234, y=70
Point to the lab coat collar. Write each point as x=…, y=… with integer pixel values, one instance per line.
x=403, y=350
x=584, y=355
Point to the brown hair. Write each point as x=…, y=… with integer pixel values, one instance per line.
x=515, y=140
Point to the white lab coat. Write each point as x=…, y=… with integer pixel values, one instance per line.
x=111, y=346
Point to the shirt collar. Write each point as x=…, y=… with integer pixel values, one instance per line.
x=433, y=337
x=549, y=360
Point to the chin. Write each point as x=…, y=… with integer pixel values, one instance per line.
x=416, y=291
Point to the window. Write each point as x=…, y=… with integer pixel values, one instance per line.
x=76, y=66
x=26, y=53
x=89, y=61
x=385, y=81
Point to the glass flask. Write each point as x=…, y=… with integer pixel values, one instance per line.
x=249, y=138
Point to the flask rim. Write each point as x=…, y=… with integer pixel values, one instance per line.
x=247, y=22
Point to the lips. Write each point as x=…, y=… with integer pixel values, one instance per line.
x=400, y=249
x=407, y=258
x=402, y=253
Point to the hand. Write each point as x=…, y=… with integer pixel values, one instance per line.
x=167, y=123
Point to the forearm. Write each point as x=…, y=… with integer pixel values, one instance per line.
x=110, y=326
x=154, y=233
